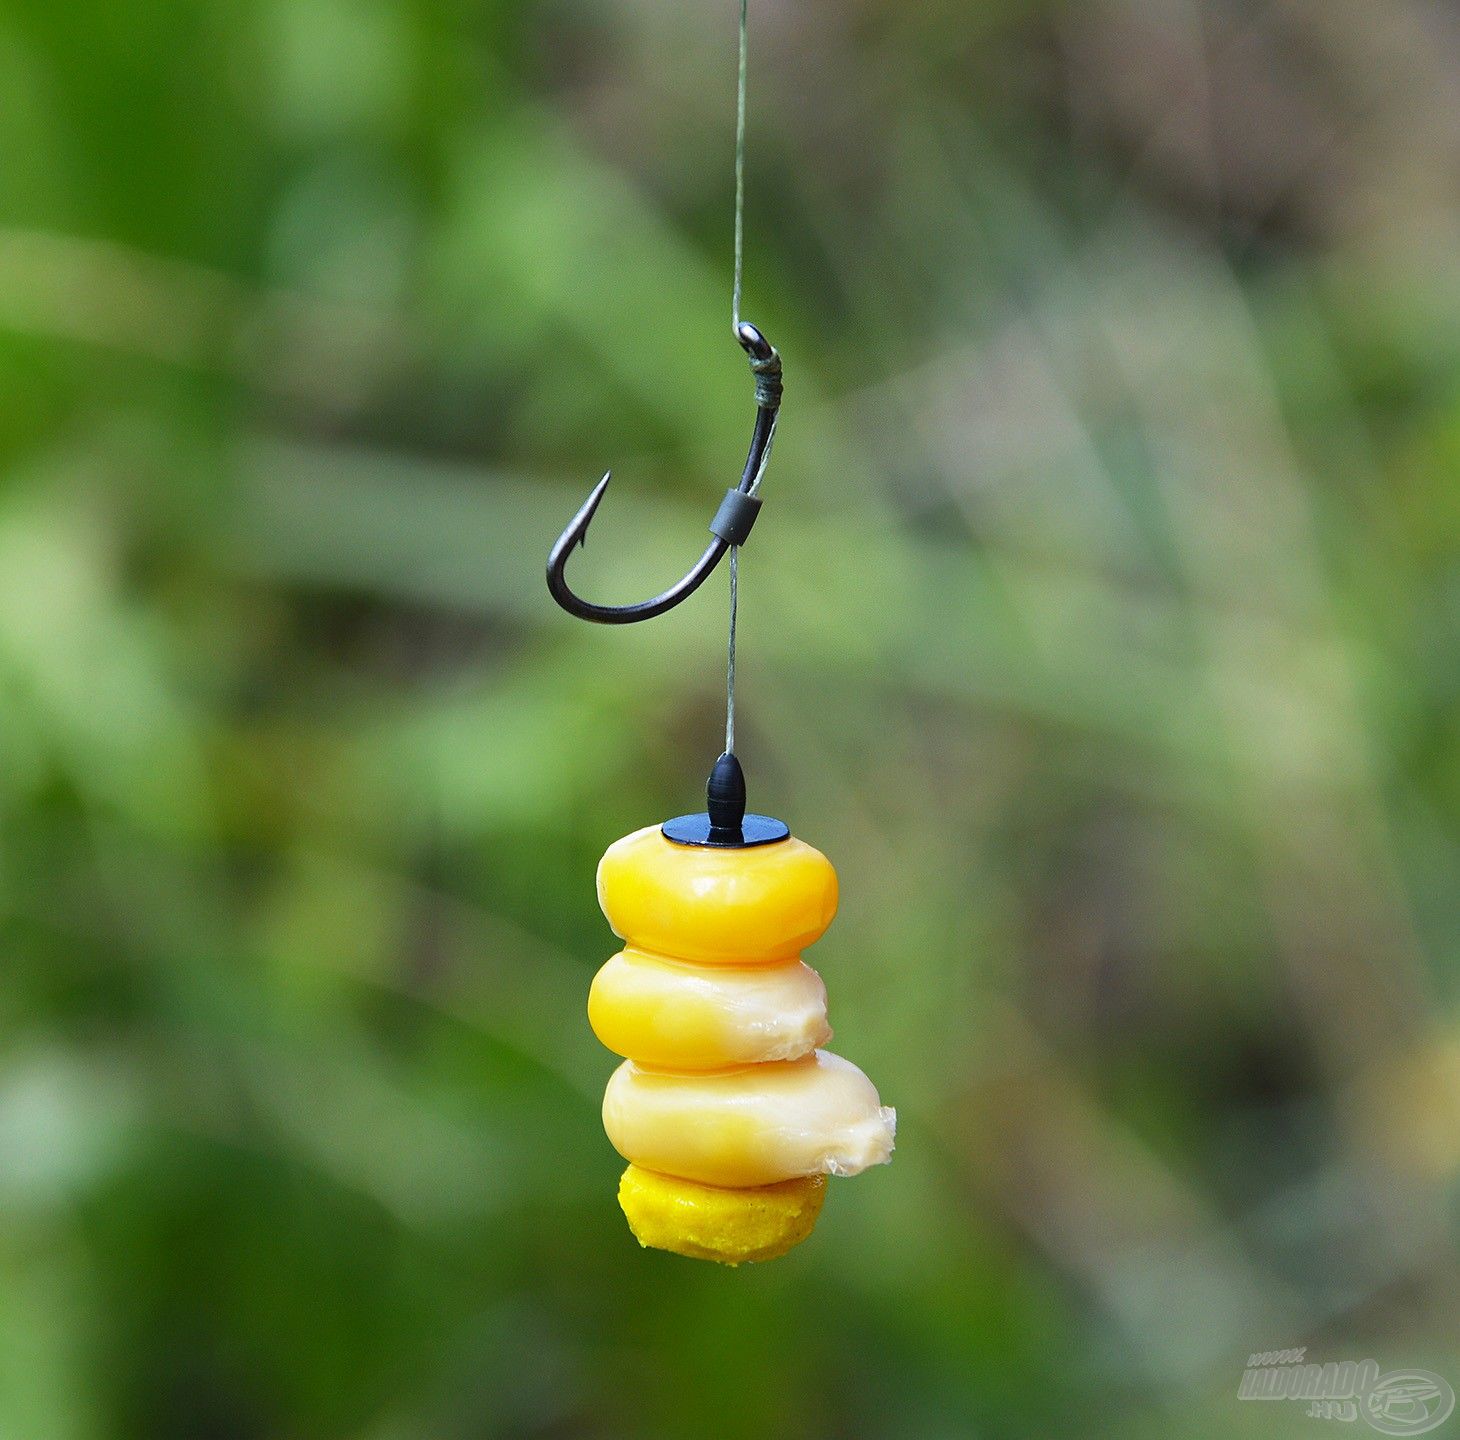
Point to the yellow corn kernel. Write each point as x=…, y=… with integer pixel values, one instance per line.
x=702, y=1017
x=712, y=906
x=706, y=1222
x=751, y=1125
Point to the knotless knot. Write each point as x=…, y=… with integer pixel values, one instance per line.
x=769, y=385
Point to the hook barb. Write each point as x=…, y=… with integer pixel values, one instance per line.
x=730, y=526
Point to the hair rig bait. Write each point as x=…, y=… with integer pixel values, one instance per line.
x=729, y=1113
x=726, y=1107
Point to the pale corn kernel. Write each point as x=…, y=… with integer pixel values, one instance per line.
x=751, y=1125
x=702, y=1017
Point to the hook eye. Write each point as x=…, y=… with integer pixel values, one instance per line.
x=754, y=343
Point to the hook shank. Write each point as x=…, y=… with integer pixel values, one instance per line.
x=765, y=364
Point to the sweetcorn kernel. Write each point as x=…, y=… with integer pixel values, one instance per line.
x=751, y=1124
x=702, y=1017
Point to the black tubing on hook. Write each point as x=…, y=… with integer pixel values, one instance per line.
x=730, y=526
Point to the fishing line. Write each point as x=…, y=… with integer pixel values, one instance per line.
x=735, y=293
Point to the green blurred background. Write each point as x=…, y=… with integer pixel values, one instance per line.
x=1100, y=626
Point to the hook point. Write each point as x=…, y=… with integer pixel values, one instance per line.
x=590, y=508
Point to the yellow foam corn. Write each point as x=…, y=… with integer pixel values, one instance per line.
x=726, y=1107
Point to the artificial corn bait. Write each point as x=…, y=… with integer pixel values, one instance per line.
x=706, y=1222
x=726, y=1106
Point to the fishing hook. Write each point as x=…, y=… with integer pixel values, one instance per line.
x=732, y=520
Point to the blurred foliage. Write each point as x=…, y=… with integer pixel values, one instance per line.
x=1101, y=626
